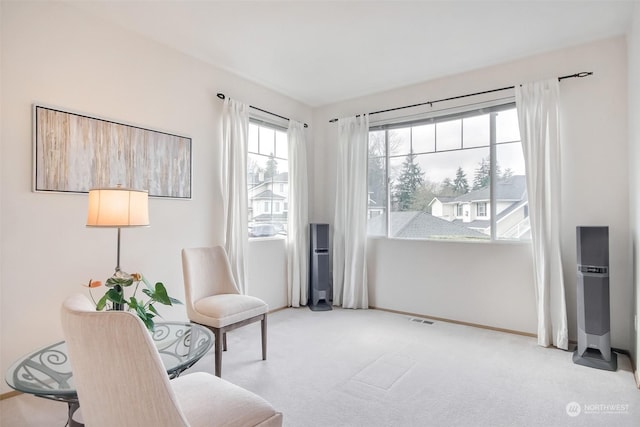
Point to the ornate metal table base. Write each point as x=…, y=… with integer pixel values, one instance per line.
x=73, y=407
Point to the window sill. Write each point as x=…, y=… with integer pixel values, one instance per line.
x=266, y=238
x=472, y=242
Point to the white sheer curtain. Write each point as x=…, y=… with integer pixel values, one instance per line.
x=350, y=223
x=298, y=218
x=538, y=111
x=235, y=131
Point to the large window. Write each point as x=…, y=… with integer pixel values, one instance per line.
x=267, y=180
x=456, y=177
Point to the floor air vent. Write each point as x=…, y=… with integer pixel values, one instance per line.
x=418, y=320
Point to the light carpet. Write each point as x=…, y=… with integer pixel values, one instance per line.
x=375, y=368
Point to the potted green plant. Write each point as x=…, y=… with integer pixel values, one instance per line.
x=115, y=299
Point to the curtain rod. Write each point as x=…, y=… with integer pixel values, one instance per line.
x=222, y=96
x=430, y=103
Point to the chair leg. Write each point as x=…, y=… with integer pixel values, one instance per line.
x=224, y=341
x=264, y=337
x=219, y=334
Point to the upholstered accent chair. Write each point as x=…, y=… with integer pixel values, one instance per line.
x=120, y=378
x=214, y=300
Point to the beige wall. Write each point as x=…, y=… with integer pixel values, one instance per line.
x=491, y=283
x=54, y=54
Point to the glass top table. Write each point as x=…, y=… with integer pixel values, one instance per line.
x=47, y=372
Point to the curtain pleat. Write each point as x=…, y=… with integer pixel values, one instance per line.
x=538, y=113
x=298, y=217
x=350, y=222
x=235, y=131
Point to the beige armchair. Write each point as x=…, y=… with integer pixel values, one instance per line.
x=213, y=299
x=121, y=380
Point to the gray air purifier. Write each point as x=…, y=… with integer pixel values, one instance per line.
x=319, y=268
x=594, y=330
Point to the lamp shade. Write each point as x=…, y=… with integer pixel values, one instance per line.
x=118, y=207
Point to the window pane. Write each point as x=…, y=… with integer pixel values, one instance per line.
x=454, y=205
x=442, y=168
x=395, y=166
x=255, y=171
x=424, y=138
x=377, y=144
x=510, y=159
x=253, y=138
x=267, y=181
x=400, y=141
x=507, y=126
x=281, y=145
x=377, y=185
x=426, y=191
x=267, y=141
x=512, y=208
x=476, y=131
x=449, y=135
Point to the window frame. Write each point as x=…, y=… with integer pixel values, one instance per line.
x=484, y=209
x=269, y=204
x=491, y=108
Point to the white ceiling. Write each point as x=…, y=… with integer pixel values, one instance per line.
x=320, y=52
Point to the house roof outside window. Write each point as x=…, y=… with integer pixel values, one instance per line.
x=510, y=189
x=420, y=225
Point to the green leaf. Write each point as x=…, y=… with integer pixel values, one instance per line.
x=146, y=317
x=102, y=303
x=161, y=295
x=149, y=324
x=115, y=296
x=153, y=310
x=143, y=314
x=175, y=301
x=133, y=303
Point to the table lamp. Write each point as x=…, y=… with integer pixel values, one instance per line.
x=117, y=208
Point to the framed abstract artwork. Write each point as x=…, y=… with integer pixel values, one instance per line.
x=74, y=153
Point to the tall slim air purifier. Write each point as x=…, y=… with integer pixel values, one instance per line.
x=594, y=330
x=320, y=291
